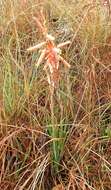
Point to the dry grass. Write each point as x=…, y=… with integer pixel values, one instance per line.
x=67, y=146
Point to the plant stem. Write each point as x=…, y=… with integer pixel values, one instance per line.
x=54, y=153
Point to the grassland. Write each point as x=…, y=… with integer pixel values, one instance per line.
x=67, y=147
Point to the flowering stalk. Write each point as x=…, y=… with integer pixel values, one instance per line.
x=51, y=55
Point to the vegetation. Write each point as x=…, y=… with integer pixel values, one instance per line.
x=55, y=121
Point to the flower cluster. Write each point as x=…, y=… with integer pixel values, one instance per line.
x=50, y=54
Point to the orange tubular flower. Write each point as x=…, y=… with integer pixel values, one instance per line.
x=50, y=54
